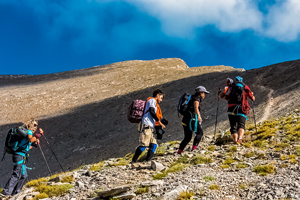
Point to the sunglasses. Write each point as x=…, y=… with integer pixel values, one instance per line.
x=35, y=125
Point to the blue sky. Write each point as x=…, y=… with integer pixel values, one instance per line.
x=38, y=37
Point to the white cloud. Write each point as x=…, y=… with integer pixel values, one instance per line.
x=284, y=21
x=180, y=18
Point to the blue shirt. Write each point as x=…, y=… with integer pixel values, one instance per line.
x=25, y=144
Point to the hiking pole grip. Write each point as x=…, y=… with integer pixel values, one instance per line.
x=45, y=159
x=53, y=152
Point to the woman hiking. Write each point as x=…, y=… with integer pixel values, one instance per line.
x=15, y=183
x=192, y=119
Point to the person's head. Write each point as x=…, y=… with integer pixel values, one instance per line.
x=31, y=125
x=201, y=91
x=229, y=81
x=158, y=95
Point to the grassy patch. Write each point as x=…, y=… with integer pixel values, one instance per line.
x=229, y=161
x=283, y=157
x=281, y=146
x=247, y=144
x=208, y=178
x=54, y=190
x=41, y=196
x=97, y=167
x=214, y=187
x=36, y=182
x=284, y=165
x=142, y=190
x=241, y=165
x=211, y=148
x=67, y=179
x=249, y=154
x=224, y=166
x=161, y=150
x=160, y=175
x=242, y=186
x=200, y=160
x=260, y=144
x=232, y=149
x=263, y=170
x=297, y=151
x=185, y=195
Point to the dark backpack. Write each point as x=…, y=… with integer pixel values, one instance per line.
x=12, y=141
x=236, y=94
x=136, y=111
x=183, y=103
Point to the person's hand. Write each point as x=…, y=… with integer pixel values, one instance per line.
x=37, y=141
x=38, y=135
x=162, y=125
x=41, y=131
x=253, y=98
x=200, y=119
x=219, y=91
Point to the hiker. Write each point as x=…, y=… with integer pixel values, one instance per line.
x=17, y=179
x=192, y=119
x=237, y=94
x=151, y=118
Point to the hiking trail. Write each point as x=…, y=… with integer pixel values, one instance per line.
x=267, y=109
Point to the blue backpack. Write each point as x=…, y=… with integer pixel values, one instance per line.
x=13, y=138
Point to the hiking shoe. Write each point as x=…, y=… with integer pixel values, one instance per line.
x=194, y=147
x=179, y=151
x=240, y=141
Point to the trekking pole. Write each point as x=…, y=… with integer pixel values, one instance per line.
x=217, y=114
x=45, y=159
x=53, y=152
x=254, y=118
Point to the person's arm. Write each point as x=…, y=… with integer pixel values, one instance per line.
x=249, y=93
x=196, y=108
x=153, y=114
x=31, y=138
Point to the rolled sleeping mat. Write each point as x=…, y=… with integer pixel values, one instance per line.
x=21, y=131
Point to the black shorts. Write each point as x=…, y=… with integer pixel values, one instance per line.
x=236, y=122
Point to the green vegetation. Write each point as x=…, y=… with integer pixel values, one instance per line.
x=208, y=178
x=224, y=166
x=67, y=179
x=161, y=150
x=214, y=187
x=261, y=156
x=283, y=157
x=241, y=165
x=284, y=165
x=229, y=161
x=230, y=154
x=247, y=144
x=211, y=148
x=97, y=167
x=243, y=186
x=232, y=149
x=297, y=151
x=281, y=146
x=260, y=144
x=201, y=160
x=36, y=182
x=142, y=190
x=1, y=189
x=249, y=154
x=263, y=170
x=40, y=196
x=185, y=195
x=54, y=190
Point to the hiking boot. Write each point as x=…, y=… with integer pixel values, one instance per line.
x=179, y=151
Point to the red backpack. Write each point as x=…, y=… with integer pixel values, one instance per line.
x=136, y=111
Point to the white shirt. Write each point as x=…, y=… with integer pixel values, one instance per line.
x=147, y=118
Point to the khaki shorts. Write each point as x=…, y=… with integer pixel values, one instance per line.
x=146, y=135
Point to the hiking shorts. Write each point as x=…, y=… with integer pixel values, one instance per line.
x=236, y=122
x=147, y=136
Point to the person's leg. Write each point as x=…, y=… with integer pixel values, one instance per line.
x=19, y=186
x=152, y=146
x=139, y=150
x=187, y=138
x=241, y=128
x=144, y=141
x=233, y=127
x=198, y=137
x=16, y=175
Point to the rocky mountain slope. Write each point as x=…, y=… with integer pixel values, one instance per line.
x=265, y=166
x=83, y=112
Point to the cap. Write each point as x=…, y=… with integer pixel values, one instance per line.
x=202, y=89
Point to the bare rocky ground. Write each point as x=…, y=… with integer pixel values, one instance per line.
x=83, y=112
x=266, y=166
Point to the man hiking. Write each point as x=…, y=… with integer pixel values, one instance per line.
x=152, y=116
x=192, y=119
x=17, y=179
x=237, y=96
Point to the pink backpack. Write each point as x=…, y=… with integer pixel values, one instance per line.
x=136, y=111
